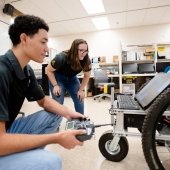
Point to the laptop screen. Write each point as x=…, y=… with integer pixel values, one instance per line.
x=146, y=68
x=128, y=68
x=155, y=86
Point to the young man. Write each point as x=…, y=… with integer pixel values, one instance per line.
x=22, y=139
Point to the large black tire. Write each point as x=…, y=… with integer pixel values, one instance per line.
x=116, y=155
x=152, y=123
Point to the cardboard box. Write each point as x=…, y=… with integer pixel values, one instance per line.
x=102, y=59
x=149, y=57
x=149, y=49
x=89, y=94
x=115, y=59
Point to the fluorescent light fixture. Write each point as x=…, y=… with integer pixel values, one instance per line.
x=101, y=23
x=93, y=6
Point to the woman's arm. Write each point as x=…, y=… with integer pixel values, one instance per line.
x=52, y=106
x=51, y=77
x=85, y=80
x=50, y=73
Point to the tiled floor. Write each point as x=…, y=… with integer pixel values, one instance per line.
x=88, y=157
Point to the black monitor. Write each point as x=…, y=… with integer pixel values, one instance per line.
x=146, y=68
x=155, y=86
x=129, y=68
x=162, y=66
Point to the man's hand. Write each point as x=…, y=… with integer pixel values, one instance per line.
x=68, y=139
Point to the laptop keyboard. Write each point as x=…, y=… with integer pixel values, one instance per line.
x=127, y=102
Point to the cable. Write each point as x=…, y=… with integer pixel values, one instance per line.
x=96, y=126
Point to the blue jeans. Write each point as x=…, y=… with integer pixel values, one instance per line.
x=41, y=122
x=71, y=85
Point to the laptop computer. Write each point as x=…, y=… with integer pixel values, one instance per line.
x=129, y=68
x=149, y=92
x=146, y=68
x=156, y=85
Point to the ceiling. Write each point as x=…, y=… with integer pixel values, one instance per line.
x=66, y=17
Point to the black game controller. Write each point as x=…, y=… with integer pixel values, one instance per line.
x=81, y=123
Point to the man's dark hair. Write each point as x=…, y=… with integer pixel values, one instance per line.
x=27, y=24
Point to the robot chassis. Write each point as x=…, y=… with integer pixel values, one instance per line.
x=153, y=127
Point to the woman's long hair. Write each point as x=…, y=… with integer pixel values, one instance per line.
x=73, y=58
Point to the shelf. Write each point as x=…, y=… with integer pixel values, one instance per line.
x=108, y=64
x=113, y=75
x=139, y=75
x=142, y=45
x=138, y=54
x=91, y=76
x=138, y=61
x=163, y=60
x=163, y=44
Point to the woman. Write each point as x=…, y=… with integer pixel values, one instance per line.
x=62, y=72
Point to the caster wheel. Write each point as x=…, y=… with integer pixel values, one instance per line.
x=116, y=155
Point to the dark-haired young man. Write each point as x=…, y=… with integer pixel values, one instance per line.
x=22, y=139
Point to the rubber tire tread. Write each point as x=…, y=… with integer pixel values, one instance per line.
x=154, y=113
x=123, y=143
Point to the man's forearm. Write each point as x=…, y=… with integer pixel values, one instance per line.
x=13, y=143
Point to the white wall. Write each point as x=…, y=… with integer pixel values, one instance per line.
x=108, y=43
x=5, y=43
x=102, y=43
x=146, y=34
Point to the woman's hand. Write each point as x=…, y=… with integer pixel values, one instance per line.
x=71, y=114
x=81, y=95
x=56, y=90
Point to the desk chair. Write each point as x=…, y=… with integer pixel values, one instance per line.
x=100, y=80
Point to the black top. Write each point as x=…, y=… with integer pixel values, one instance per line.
x=63, y=66
x=15, y=85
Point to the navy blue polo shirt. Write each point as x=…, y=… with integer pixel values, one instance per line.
x=15, y=85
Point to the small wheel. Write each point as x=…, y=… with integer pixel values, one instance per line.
x=113, y=155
